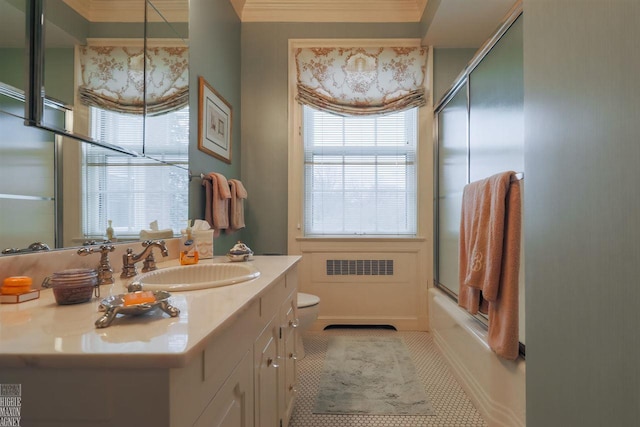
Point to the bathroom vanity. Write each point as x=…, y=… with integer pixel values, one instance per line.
x=228, y=359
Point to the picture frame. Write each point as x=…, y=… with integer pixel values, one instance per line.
x=215, y=117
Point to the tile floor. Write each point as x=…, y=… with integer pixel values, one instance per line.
x=453, y=407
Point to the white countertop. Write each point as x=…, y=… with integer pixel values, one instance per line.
x=40, y=333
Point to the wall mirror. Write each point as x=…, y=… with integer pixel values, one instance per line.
x=56, y=190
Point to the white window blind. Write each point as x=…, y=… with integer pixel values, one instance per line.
x=134, y=191
x=360, y=173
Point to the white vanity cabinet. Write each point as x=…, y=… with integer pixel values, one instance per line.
x=265, y=332
x=288, y=369
x=227, y=360
x=267, y=383
x=274, y=358
x=233, y=404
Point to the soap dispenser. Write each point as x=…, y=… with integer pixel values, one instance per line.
x=188, y=247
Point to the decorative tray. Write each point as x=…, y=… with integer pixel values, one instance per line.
x=118, y=304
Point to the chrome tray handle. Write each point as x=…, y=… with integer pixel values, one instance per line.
x=111, y=310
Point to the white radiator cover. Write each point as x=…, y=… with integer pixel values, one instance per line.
x=367, y=286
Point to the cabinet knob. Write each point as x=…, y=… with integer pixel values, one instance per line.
x=271, y=362
x=293, y=356
x=293, y=388
x=293, y=323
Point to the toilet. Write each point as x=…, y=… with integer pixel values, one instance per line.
x=308, y=308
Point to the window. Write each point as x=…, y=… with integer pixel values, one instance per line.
x=360, y=173
x=134, y=191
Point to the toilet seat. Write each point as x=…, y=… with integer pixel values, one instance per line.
x=307, y=300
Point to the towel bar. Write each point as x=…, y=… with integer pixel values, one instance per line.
x=191, y=176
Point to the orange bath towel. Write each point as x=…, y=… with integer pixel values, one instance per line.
x=217, y=195
x=489, y=252
x=236, y=210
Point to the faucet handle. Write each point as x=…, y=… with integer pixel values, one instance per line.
x=149, y=263
x=128, y=264
x=105, y=272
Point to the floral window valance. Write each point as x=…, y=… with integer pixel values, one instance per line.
x=113, y=78
x=361, y=80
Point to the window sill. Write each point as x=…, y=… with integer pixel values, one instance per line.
x=360, y=238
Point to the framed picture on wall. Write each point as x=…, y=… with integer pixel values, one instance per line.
x=214, y=122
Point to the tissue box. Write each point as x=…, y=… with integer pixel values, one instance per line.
x=204, y=241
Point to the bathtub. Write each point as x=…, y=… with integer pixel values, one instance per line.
x=496, y=386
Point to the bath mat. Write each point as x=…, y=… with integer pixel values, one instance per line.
x=370, y=375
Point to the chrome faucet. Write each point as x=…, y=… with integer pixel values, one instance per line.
x=129, y=259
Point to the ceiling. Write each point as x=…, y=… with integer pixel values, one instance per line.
x=130, y=10
x=329, y=10
x=465, y=23
x=451, y=23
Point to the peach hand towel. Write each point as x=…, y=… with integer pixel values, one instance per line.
x=488, y=239
x=217, y=195
x=236, y=210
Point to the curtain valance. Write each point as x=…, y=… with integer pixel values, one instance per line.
x=361, y=80
x=113, y=78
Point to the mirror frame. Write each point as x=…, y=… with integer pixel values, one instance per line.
x=34, y=90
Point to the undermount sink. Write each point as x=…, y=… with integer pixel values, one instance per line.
x=201, y=276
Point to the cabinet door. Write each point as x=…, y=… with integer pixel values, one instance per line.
x=232, y=405
x=289, y=320
x=266, y=381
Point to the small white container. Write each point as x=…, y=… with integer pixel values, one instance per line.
x=240, y=252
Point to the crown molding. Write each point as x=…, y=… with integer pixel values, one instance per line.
x=329, y=10
x=129, y=11
x=421, y=5
x=238, y=5
x=260, y=10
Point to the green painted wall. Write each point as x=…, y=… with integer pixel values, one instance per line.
x=582, y=204
x=214, y=53
x=447, y=66
x=58, y=74
x=58, y=71
x=12, y=66
x=59, y=15
x=265, y=117
x=427, y=16
x=136, y=30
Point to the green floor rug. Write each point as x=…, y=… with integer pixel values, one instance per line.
x=370, y=375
